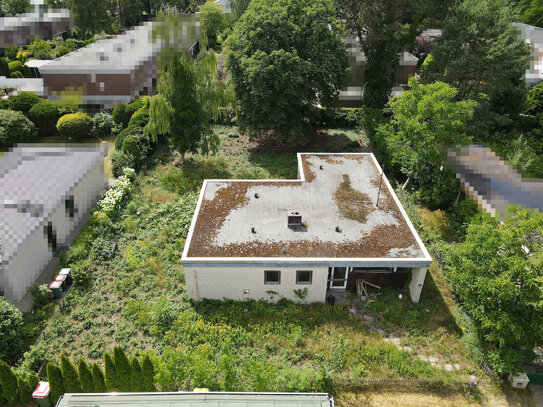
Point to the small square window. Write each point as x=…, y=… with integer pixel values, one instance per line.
x=304, y=276
x=272, y=277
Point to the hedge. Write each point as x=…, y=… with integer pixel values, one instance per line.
x=123, y=113
x=75, y=126
x=4, y=67
x=15, y=66
x=24, y=101
x=15, y=128
x=339, y=117
x=4, y=104
x=45, y=116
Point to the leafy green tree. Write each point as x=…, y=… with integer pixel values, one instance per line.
x=385, y=28
x=213, y=21
x=533, y=14
x=15, y=128
x=285, y=57
x=98, y=379
x=148, y=372
x=497, y=273
x=54, y=377
x=426, y=118
x=177, y=111
x=85, y=377
x=534, y=100
x=110, y=373
x=9, y=383
x=69, y=375
x=239, y=7
x=14, y=7
x=25, y=393
x=122, y=368
x=11, y=323
x=41, y=49
x=130, y=12
x=480, y=55
x=90, y=17
x=136, y=376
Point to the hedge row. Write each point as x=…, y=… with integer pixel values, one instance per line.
x=15, y=389
x=120, y=374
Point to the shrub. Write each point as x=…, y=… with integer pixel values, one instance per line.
x=111, y=379
x=122, y=368
x=120, y=115
x=41, y=294
x=25, y=393
x=130, y=130
x=120, y=161
x=15, y=66
x=115, y=194
x=75, y=126
x=15, y=128
x=23, y=101
x=11, y=323
x=9, y=383
x=4, y=67
x=103, y=125
x=27, y=73
x=534, y=100
x=45, y=116
x=140, y=118
x=98, y=379
x=137, y=146
x=148, y=372
x=69, y=375
x=136, y=376
x=81, y=272
x=4, y=104
x=344, y=117
x=33, y=381
x=54, y=377
x=85, y=377
x=17, y=74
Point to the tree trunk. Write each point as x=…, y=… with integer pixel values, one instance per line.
x=406, y=182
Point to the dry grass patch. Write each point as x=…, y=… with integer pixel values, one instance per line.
x=353, y=204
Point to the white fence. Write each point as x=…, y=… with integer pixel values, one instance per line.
x=23, y=84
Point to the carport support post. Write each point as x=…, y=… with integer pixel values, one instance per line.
x=417, y=281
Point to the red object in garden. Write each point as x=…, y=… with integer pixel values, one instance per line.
x=42, y=390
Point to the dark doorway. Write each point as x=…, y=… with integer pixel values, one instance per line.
x=51, y=236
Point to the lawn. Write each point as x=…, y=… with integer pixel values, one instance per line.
x=136, y=298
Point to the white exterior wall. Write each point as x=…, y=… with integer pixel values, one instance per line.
x=220, y=282
x=417, y=282
x=35, y=254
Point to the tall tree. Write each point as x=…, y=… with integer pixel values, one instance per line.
x=285, y=57
x=136, y=376
x=122, y=368
x=85, y=377
x=110, y=373
x=11, y=319
x=497, y=273
x=426, y=118
x=54, y=377
x=69, y=375
x=14, y=7
x=480, y=55
x=533, y=13
x=90, y=17
x=98, y=379
x=384, y=29
x=8, y=379
x=25, y=393
x=148, y=372
x=130, y=12
x=239, y=7
x=213, y=21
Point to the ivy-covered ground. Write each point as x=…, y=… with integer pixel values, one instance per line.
x=135, y=298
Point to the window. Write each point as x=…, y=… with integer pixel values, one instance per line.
x=304, y=276
x=69, y=205
x=51, y=236
x=272, y=277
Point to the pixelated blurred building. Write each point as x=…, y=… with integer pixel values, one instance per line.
x=41, y=22
x=492, y=183
x=45, y=197
x=115, y=70
x=533, y=36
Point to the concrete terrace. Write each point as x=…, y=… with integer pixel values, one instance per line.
x=248, y=218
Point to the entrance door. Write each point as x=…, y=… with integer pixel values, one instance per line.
x=337, y=277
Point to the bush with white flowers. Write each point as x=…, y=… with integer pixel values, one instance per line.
x=113, y=197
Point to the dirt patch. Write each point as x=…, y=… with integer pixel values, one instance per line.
x=352, y=204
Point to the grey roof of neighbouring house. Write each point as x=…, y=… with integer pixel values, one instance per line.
x=34, y=181
x=492, y=183
x=205, y=399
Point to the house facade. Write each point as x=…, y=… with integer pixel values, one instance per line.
x=46, y=193
x=303, y=239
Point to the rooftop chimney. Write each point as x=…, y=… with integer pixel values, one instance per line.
x=294, y=219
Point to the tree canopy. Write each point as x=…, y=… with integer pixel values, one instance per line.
x=279, y=78
x=480, y=55
x=498, y=274
x=425, y=119
x=90, y=17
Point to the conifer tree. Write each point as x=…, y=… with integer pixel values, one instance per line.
x=122, y=367
x=98, y=379
x=110, y=373
x=85, y=377
x=54, y=377
x=69, y=375
x=25, y=394
x=136, y=376
x=2, y=398
x=148, y=372
x=33, y=381
x=9, y=383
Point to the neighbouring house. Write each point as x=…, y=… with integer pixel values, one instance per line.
x=45, y=195
x=115, y=70
x=493, y=183
x=533, y=36
x=197, y=399
x=42, y=22
x=351, y=96
x=303, y=239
